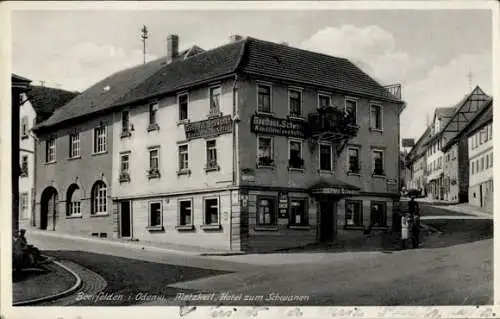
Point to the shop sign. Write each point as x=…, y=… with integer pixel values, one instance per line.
x=335, y=191
x=244, y=200
x=283, y=205
x=208, y=128
x=275, y=126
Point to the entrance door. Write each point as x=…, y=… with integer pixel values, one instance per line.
x=48, y=208
x=481, y=199
x=327, y=220
x=125, y=219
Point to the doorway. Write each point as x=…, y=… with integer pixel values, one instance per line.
x=125, y=220
x=48, y=208
x=481, y=199
x=327, y=220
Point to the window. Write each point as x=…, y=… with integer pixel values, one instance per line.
x=99, y=140
x=73, y=204
x=490, y=132
x=185, y=213
x=124, y=167
x=376, y=117
x=99, y=198
x=264, y=98
x=24, y=127
x=74, y=145
x=295, y=102
x=295, y=154
x=487, y=161
x=155, y=218
x=353, y=158
x=353, y=213
x=154, y=162
x=23, y=205
x=325, y=157
x=125, y=121
x=265, y=151
x=183, y=107
x=298, y=212
x=153, y=108
x=350, y=110
x=211, y=211
x=378, y=216
x=491, y=159
x=183, y=158
x=482, y=163
x=215, y=93
x=211, y=150
x=378, y=162
x=24, y=166
x=50, y=151
x=476, y=137
x=266, y=211
x=324, y=101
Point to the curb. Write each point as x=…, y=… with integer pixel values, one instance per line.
x=55, y=296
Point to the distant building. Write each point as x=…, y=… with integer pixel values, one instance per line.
x=37, y=105
x=233, y=148
x=416, y=162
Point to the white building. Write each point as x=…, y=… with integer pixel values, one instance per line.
x=480, y=145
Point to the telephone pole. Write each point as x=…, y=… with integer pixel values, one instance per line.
x=144, y=36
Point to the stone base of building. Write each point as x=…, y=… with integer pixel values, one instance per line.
x=481, y=195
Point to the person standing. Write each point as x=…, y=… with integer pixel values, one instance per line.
x=404, y=230
x=415, y=222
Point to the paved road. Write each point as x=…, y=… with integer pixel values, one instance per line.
x=452, y=275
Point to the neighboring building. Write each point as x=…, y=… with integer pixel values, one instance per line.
x=37, y=104
x=480, y=147
x=455, y=149
x=417, y=164
x=19, y=85
x=245, y=147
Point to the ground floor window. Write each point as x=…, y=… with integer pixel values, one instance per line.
x=266, y=211
x=378, y=216
x=211, y=211
x=354, y=213
x=185, y=212
x=298, y=212
x=155, y=214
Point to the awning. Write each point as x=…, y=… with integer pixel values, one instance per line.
x=333, y=186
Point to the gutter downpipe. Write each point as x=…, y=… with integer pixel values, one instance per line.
x=235, y=157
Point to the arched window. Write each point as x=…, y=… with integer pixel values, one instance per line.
x=99, y=202
x=73, y=201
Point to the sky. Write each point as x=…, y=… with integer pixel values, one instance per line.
x=430, y=52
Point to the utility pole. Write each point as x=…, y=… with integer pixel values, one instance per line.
x=469, y=76
x=144, y=36
x=42, y=83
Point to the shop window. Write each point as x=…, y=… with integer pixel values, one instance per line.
x=155, y=214
x=185, y=213
x=378, y=214
x=211, y=211
x=266, y=211
x=298, y=212
x=354, y=213
x=265, y=151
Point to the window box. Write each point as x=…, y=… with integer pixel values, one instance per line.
x=155, y=228
x=186, y=171
x=265, y=161
x=153, y=127
x=212, y=166
x=124, y=177
x=296, y=163
x=125, y=133
x=353, y=173
x=303, y=227
x=379, y=175
x=184, y=227
x=99, y=153
x=105, y=214
x=376, y=130
x=153, y=173
x=74, y=158
x=74, y=216
x=211, y=227
x=212, y=115
x=51, y=162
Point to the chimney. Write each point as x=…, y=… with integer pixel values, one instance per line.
x=172, y=47
x=235, y=38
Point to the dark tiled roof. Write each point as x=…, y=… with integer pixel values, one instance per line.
x=249, y=56
x=285, y=62
x=485, y=117
x=418, y=149
x=19, y=78
x=46, y=100
x=445, y=111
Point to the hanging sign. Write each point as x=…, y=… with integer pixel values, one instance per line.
x=208, y=128
x=283, y=205
x=275, y=126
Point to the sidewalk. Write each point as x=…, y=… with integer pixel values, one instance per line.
x=467, y=208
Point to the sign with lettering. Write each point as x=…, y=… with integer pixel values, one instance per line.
x=283, y=205
x=208, y=128
x=335, y=191
x=271, y=125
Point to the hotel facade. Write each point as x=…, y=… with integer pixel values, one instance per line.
x=251, y=146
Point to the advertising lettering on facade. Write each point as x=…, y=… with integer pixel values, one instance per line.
x=283, y=205
x=276, y=126
x=208, y=128
x=335, y=191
